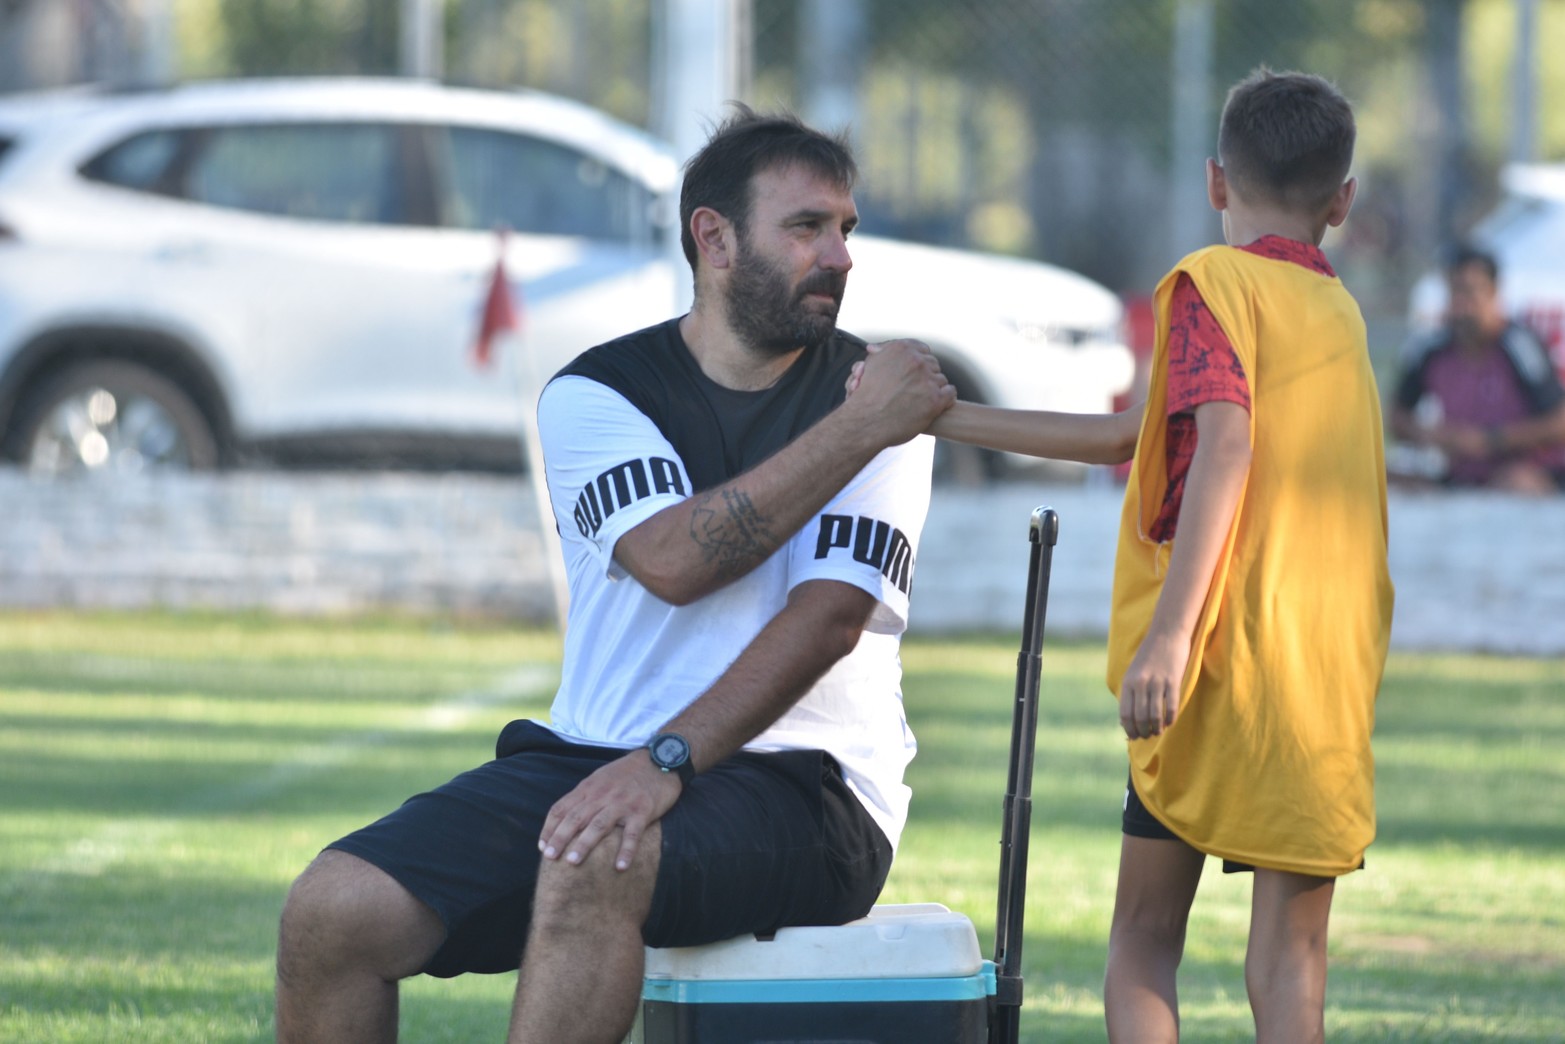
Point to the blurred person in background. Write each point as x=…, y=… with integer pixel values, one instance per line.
x=1481, y=393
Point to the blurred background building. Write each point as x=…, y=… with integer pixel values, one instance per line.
x=1068, y=130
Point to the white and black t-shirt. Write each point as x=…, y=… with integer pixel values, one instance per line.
x=632, y=427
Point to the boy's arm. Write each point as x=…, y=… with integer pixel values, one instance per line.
x=1089, y=438
x=1085, y=437
x=1149, y=694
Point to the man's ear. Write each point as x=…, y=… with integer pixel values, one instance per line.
x=1216, y=186
x=714, y=237
x=1342, y=202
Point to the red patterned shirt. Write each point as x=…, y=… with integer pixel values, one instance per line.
x=1202, y=368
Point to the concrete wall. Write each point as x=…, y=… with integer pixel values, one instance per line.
x=1473, y=572
x=287, y=543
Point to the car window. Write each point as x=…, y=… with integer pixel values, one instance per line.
x=496, y=178
x=323, y=172
x=5, y=145
x=139, y=162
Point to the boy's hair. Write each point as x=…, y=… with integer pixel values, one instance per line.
x=1286, y=138
x=1465, y=254
x=744, y=145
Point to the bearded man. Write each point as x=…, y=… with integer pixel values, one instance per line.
x=726, y=749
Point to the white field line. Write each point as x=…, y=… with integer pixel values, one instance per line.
x=94, y=854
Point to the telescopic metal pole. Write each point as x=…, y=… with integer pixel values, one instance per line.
x=1005, y=1026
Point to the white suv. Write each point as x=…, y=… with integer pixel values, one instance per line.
x=291, y=272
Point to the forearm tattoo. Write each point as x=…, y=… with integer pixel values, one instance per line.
x=730, y=532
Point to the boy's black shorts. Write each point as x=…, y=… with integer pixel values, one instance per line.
x=1138, y=821
x=758, y=842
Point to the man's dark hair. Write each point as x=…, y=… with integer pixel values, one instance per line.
x=744, y=145
x=1465, y=254
x=1286, y=138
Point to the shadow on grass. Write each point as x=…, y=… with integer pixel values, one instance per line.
x=1494, y=832
x=141, y=729
x=324, y=681
x=119, y=916
x=177, y=786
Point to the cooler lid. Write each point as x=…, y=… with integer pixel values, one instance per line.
x=913, y=940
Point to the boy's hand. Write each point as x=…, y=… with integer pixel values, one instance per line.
x=1149, y=695
x=855, y=375
x=898, y=389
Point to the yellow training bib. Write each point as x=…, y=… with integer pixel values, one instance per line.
x=1269, y=760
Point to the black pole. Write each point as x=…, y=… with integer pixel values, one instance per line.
x=1005, y=1026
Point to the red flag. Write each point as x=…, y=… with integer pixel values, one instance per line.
x=499, y=314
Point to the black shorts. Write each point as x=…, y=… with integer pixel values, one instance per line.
x=759, y=842
x=1138, y=821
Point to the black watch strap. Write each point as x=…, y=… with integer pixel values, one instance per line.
x=671, y=752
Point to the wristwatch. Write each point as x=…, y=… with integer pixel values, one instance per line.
x=671, y=752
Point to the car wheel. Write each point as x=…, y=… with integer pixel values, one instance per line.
x=112, y=416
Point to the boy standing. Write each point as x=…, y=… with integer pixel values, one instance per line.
x=1252, y=603
x=1246, y=651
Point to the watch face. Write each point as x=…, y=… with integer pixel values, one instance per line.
x=670, y=751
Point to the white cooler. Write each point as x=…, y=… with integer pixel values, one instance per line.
x=901, y=975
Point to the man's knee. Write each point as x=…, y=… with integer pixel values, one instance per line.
x=594, y=889
x=345, y=911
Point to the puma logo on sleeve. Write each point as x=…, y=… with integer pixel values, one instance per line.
x=623, y=485
x=871, y=542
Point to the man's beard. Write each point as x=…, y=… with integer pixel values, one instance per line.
x=770, y=316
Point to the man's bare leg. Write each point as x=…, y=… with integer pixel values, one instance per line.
x=1285, y=966
x=1157, y=884
x=349, y=933
x=581, y=973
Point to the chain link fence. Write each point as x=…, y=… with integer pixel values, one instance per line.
x=1069, y=130
x=1075, y=130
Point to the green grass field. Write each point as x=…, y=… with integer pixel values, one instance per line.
x=163, y=778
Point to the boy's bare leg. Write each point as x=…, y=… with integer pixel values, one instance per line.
x=349, y=933
x=582, y=970
x=1285, y=967
x=1157, y=884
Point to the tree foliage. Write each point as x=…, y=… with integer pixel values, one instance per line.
x=291, y=37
